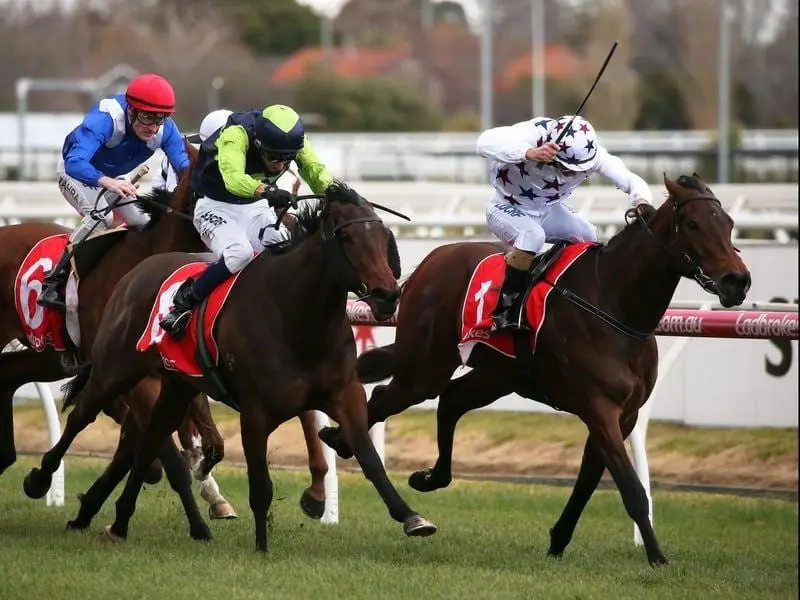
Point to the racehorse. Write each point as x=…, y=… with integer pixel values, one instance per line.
x=277, y=305
x=169, y=229
x=595, y=354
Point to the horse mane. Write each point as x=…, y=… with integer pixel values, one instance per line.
x=154, y=202
x=309, y=216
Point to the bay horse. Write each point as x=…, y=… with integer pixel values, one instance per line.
x=169, y=229
x=285, y=346
x=596, y=356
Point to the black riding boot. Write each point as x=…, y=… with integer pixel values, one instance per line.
x=53, y=281
x=184, y=302
x=506, y=314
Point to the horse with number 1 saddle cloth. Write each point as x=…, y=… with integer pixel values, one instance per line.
x=483, y=295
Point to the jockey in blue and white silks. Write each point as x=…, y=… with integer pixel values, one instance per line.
x=116, y=136
x=532, y=179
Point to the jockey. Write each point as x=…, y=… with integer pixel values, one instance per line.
x=116, y=136
x=167, y=179
x=533, y=177
x=235, y=178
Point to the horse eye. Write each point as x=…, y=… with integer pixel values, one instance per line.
x=692, y=224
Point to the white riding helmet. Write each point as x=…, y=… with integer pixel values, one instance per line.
x=578, y=145
x=211, y=122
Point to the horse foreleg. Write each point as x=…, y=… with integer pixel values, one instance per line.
x=349, y=409
x=203, y=449
x=603, y=420
x=256, y=426
x=589, y=475
x=312, y=502
x=474, y=390
x=17, y=369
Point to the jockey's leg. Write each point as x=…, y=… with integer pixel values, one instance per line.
x=563, y=223
x=521, y=229
x=83, y=199
x=229, y=243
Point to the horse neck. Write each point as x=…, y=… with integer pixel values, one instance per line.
x=174, y=234
x=642, y=274
x=315, y=300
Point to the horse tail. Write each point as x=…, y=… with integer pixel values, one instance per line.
x=75, y=385
x=376, y=364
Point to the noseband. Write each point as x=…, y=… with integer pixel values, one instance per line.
x=687, y=266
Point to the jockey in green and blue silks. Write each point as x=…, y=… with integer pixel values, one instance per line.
x=235, y=178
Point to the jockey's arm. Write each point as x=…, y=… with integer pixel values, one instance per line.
x=510, y=144
x=232, y=145
x=173, y=146
x=95, y=130
x=312, y=169
x=612, y=168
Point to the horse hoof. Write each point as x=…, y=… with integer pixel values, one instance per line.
x=106, y=535
x=36, y=484
x=332, y=436
x=424, y=481
x=311, y=507
x=76, y=525
x=201, y=534
x=223, y=510
x=418, y=526
x=658, y=561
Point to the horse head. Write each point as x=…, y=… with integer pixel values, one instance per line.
x=357, y=242
x=694, y=227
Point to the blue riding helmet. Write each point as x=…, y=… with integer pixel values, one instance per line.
x=279, y=132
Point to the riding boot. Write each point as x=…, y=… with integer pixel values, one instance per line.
x=190, y=294
x=184, y=302
x=506, y=315
x=53, y=281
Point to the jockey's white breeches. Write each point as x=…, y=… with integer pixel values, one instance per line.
x=528, y=226
x=236, y=232
x=86, y=199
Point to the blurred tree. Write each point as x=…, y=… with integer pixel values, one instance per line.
x=562, y=97
x=366, y=104
x=275, y=27
x=661, y=104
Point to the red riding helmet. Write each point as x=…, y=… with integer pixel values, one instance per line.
x=151, y=93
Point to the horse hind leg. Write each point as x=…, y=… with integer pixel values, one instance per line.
x=312, y=502
x=169, y=411
x=474, y=390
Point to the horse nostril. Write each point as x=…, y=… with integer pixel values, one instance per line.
x=736, y=281
x=384, y=295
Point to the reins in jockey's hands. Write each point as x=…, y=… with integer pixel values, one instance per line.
x=277, y=197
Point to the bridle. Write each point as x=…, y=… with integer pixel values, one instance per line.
x=687, y=265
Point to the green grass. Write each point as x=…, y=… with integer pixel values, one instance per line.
x=491, y=544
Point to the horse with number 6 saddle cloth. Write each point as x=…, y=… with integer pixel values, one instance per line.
x=46, y=326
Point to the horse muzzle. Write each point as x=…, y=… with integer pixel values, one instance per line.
x=732, y=288
x=383, y=302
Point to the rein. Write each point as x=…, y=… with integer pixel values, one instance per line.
x=688, y=267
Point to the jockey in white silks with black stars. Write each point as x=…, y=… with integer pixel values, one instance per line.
x=533, y=177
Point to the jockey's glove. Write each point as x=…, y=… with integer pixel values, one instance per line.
x=279, y=198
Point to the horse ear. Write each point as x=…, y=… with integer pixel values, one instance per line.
x=671, y=187
x=696, y=176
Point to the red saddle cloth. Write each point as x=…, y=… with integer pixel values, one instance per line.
x=482, y=296
x=180, y=355
x=43, y=326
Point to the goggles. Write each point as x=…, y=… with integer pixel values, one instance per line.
x=148, y=118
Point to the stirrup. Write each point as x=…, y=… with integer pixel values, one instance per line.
x=176, y=325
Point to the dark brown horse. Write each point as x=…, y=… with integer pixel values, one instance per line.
x=285, y=345
x=166, y=231
x=595, y=357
